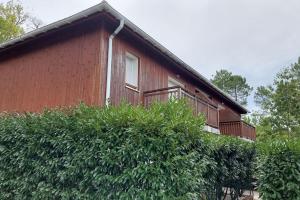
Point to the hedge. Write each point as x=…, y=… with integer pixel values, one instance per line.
x=235, y=161
x=279, y=169
x=122, y=152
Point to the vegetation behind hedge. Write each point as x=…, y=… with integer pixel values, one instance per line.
x=279, y=169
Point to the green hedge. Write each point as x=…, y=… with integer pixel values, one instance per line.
x=119, y=152
x=279, y=169
x=235, y=161
x=113, y=153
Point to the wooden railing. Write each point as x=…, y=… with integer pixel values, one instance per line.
x=198, y=105
x=238, y=128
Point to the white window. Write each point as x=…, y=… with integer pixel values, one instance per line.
x=172, y=83
x=132, y=70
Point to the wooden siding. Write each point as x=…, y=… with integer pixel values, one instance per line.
x=238, y=128
x=196, y=103
x=153, y=74
x=61, y=70
x=228, y=115
x=69, y=66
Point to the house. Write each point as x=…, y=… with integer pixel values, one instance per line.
x=99, y=57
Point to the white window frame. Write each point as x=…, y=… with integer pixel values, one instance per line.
x=175, y=82
x=134, y=57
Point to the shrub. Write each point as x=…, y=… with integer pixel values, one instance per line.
x=279, y=169
x=235, y=160
x=119, y=152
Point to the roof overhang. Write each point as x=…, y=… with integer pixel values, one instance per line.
x=105, y=7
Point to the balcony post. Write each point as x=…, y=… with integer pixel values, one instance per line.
x=218, y=110
x=180, y=93
x=196, y=107
x=207, y=113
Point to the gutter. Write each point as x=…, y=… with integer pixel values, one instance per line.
x=109, y=61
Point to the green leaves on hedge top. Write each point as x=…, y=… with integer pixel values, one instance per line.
x=277, y=145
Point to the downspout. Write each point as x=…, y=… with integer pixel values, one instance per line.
x=109, y=61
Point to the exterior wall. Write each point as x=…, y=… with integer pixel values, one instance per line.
x=70, y=66
x=228, y=115
x=153, y=74
x=61, y=70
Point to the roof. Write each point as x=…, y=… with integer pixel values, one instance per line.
x=105, y=7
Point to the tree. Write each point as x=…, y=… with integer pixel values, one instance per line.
x=234, y=85
x=281, y=101
x=13, y=19
x=262, y=125
x=35, y=23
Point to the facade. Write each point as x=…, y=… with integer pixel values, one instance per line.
x=98, y=56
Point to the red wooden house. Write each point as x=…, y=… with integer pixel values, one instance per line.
x=98, y=56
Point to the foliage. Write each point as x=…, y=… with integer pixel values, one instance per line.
x=120, y=152
x=262, y=125
x=280, y=101
x=12, y=16
x=235, y=165
x=279, y=169
x=13, y=20
x=234, y=85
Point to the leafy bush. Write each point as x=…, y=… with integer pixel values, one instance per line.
x=120, y=152
x=279, y=169
x=235, y=160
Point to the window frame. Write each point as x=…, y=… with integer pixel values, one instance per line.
x=175, y=82
x=199, y=91
x=134, y=56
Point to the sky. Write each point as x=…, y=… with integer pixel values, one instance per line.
x=252, y=38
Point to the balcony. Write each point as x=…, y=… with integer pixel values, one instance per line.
x=201, y=105
x=239, y=129
x=198, y=104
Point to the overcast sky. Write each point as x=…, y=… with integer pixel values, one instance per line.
x=253, y=38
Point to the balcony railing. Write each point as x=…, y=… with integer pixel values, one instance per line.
x=198, y=104
x=239, y=129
